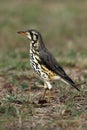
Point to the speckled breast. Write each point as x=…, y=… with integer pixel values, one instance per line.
x=34, y=62
x=40, y=69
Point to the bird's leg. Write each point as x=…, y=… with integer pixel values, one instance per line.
x=44, y=93
x=42, y=99
x=49, y=95
x=45, y=89
x=49, y=87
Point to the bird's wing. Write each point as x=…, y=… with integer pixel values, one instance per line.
x=50, y=62
x=47, y=59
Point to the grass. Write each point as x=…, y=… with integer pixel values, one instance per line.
x=64, y=29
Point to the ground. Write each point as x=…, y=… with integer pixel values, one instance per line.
x=64, y=29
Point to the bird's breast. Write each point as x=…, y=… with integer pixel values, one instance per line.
x=34, y=58
x=39, y=68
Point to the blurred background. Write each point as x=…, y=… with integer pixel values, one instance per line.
x=63, y=25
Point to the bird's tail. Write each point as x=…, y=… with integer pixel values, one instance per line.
x=70, y=81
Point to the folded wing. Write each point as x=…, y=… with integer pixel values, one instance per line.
x=47, y=59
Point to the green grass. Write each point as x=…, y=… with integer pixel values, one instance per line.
x=63, y=25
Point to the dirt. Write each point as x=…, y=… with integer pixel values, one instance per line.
x=67, y=109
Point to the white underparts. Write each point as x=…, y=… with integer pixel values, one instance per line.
x=47, y=85
x=28, y=35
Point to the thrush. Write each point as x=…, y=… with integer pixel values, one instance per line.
x=44, y=63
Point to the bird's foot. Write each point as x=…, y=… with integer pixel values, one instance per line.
x=42, y=101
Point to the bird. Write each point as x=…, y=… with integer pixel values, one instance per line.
x=44, y=63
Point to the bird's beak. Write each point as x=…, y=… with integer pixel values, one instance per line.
x=22, y=32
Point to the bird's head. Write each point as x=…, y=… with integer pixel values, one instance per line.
x=32, y=35
x=35, y=38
